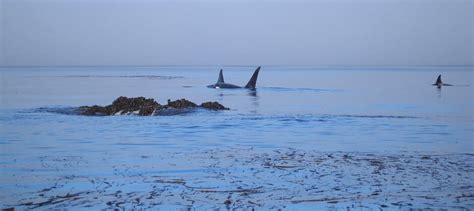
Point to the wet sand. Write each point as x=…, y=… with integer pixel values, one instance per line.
x=243, y=178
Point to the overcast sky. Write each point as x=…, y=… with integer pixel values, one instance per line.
x=231, y=32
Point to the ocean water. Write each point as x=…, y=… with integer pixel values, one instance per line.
x=375, y=110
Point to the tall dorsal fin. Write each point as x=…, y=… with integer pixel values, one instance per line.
x=221, y=77
x=253, y=80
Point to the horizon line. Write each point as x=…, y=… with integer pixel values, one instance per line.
x=216, y=65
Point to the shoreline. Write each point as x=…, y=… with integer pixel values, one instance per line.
x=252, y=178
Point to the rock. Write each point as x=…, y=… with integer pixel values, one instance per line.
x=213, y=106
x=145, y=107
x=123, y=105
x=142, y=105
x=227, y=202
x=147, y=110
x=180, y=104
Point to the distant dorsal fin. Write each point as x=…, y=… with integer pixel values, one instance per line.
x=221, y=77
x=438, y=81
x=253, y=80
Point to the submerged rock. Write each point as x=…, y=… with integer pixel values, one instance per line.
x=94, y=110
x=144, y=107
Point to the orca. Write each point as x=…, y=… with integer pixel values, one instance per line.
x=439, y=83
x=223, y=85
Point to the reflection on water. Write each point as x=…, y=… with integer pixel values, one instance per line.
x=252, y=92
x=439, y=92
x=254, y=99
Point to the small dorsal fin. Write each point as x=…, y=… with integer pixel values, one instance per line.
x=221, y=77
x=438, y=81
x=253, y=80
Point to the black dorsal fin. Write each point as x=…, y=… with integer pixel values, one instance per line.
x=253, y=80
x=438, y=81
x=221, y=77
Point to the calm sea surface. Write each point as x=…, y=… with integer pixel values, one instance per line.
x=354, y=109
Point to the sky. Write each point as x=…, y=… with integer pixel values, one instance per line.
x=231, y=32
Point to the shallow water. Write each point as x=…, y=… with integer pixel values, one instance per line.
x=320, y=110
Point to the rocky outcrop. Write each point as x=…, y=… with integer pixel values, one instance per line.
x=144, y=107
x=123, y=105
x=180, y=104
x=213, y=106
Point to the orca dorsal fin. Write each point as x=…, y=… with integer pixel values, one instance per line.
x=438, y=81
x=253, y=80
x=221, y=77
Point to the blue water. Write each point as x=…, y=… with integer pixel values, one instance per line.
x=351, y=109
